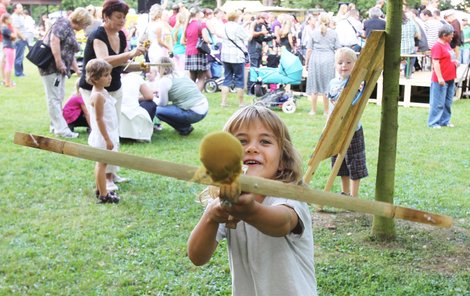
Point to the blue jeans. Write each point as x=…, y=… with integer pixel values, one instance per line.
x=178, y=118
x=20, y=47
x=234, y=75
x=440, y=102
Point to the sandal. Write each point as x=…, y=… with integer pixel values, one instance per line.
x=111, y=197
x=97, y=193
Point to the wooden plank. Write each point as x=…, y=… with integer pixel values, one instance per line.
x=423, y=79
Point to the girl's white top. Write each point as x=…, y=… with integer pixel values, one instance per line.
x=95, y=139
x=265, y=265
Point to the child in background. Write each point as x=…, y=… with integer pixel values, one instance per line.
x=179, y=49
x=272, y=60
x=75, y=111
x=104, y=122
x=9, y=36
x=271, y=249
x=353, y=168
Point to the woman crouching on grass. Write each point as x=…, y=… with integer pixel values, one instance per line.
x=104, y=122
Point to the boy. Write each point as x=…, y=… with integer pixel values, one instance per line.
x=353, y=168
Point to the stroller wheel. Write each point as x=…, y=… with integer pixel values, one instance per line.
x=232, y=89
x=210, y=86
x=289, y=107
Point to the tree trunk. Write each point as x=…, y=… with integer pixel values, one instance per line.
x=268, y=2
x=384, y=228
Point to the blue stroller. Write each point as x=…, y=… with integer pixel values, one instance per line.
x=289, y=72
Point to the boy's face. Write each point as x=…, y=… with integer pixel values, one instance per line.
x=344, y=65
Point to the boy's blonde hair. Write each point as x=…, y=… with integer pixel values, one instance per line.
x=346, y=51
x=290, y=164
x=95, y=69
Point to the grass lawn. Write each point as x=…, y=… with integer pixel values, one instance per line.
x=55, y=239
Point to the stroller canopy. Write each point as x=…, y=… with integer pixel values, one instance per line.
x=289, y=71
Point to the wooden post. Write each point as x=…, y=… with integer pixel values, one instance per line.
x=248, y=183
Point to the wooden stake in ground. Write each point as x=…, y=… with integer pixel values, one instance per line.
x=248, y=183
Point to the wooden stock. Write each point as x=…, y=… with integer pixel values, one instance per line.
x=248, y=183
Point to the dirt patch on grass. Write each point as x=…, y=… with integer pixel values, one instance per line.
x=442, y=250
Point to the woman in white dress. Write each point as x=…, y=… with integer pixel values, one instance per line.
x=159, y=34
x=134, y=121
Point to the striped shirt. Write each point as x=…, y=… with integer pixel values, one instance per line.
x=431, y=27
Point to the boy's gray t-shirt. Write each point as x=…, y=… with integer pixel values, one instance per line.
x=266, y=265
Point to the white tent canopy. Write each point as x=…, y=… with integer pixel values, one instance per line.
x=255, y=6
x=247, y=6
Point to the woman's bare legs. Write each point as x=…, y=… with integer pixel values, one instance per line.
x=313, y=100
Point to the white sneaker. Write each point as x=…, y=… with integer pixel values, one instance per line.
x=110, y=186
x=157, y=127
x=69, y=135
x=119, y=179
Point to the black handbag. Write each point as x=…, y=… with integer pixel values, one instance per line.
x=41, y=54
x=202, y=46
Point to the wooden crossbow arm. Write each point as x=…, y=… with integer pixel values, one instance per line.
x=248, y=183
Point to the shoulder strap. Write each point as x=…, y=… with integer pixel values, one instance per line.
x=48, y=34
x=355, y=31
x=233, y=41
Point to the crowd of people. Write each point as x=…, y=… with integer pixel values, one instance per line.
x=174, y=32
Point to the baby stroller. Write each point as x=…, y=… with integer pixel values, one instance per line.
x=289, y=72
x=213, y=85
x=278, y=99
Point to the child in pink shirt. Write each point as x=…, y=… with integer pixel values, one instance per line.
x=9, y=36
x=75, y=112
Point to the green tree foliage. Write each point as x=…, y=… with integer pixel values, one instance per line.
x=38, y=10
x=332, y=5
